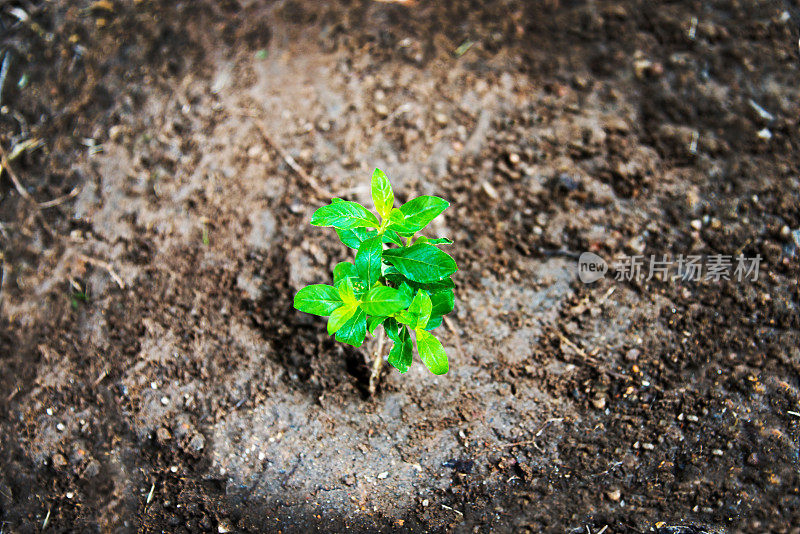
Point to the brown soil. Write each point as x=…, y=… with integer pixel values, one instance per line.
x=194, y=398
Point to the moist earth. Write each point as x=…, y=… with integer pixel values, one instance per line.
x=156, y=378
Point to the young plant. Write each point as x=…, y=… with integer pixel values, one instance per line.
x=397, y=280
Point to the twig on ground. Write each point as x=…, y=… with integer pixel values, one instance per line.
x=376, y=364
x=538, y=433
x=611, y=468
x=4, y=71
x=452, y=509
x=104, y=265
x=5, y=166
x=456, y=335
x=605, y=297
x=290, y=161
x=576, y=348
x=4, y=160
x=100, y=378
x=392, y=116
x=60, y=200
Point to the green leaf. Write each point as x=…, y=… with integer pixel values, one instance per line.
x=368, y=260
x=382, y=300
x=319, y=299
x=374, y=321
x=400, y=356
x=346, y=291
x=397, y=223
x=394, y=276
x=353, y=237
x=434, y=322
x=420, y=308
x=406, y=290
x=442, y=302
x=437, y=241
x=343, y=270
x=422, y=210
x=431, y=353
x=354, y=330
x=339, y=317
x=392, y=328
x=382, y=194
x=344, y=214
x=406, y=317
x=444, y=283
x=390, y=236
x=421, y=263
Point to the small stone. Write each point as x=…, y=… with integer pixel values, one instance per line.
x=58, y=461
x=514, y=158
x=425, y=502
x=164, y=400
x=197, y=443
x=49, y=411
x=92, y=468
x=163, y=435
x=224, y=526
x=752, y=459
x=490, y=191
x=614, y=495
x=60, y=427
x=153, y=385
x=440, y=118
x=69, y=495
x=383, y=475
x=115, y=132
x=254, y=151
x=764, y=134
x=349, y=480
x=173, y=469
x=599, y=403
x=641, y=67
x=632, y=355
x=786, y=232
x=697, y=224
x=648, y=446
x=382, y=110
x=78, y=454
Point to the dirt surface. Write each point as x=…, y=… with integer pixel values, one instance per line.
x=154, y=376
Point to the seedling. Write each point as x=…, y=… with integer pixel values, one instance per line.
x=398, y=281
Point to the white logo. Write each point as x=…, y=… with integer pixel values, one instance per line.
x=591, y=267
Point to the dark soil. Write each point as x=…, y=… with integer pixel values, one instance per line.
x=183, y=393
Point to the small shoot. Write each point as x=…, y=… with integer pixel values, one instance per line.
x=398, y=280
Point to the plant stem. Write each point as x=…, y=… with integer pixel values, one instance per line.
x=376, y=364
